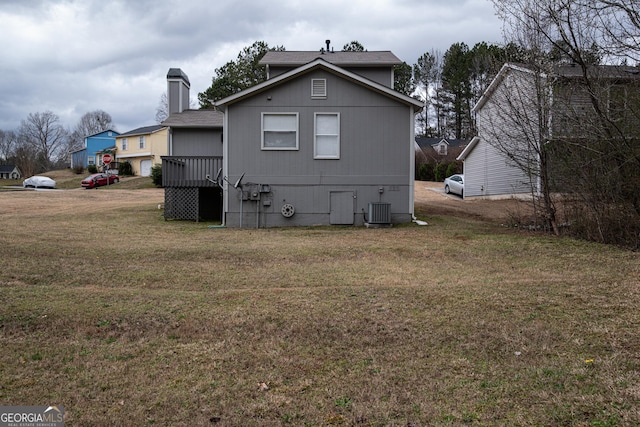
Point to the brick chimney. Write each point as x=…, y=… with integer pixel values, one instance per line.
x=177, y=90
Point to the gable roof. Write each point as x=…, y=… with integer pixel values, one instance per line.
x=115, y=133
x=469, y=148
x=145, y=130
x=195, y=119
x=570, y=71
x=341, y=58
x=321, y=64
x=7, y=168
x=424, y=142
x=497, y=80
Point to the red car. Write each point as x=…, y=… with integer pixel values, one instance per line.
x=99, y=179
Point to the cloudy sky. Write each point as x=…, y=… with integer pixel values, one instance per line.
x=75, y=56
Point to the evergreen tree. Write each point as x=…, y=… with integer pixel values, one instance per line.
x=237, y=75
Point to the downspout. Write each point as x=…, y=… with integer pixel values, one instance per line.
x=412, y=168
x=225, y=165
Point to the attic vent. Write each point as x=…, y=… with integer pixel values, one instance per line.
x=318, y=88
x=379, y=213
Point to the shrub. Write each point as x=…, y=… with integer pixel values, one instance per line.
x=78, y=169
x=425, y=172
x=453, y=168
x=125, y=168
x=92, y=169
x=156, y=174
x=441, y=171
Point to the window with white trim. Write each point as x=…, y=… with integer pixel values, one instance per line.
x=318, y=88
x=125, y=144
x=141, y=142
x=326, y=143
x=279, y=131
x=91, y=160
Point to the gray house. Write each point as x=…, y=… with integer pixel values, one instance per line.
x=325, y=140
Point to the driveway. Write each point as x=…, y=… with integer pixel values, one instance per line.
x=430, y=199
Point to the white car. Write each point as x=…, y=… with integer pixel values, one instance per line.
x=38, y=181
x=454, y=184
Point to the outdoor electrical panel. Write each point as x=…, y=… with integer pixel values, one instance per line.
x=265, y=188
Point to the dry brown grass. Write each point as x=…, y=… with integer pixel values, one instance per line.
x=127, y=319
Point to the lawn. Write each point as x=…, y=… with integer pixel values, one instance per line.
x=127, y=319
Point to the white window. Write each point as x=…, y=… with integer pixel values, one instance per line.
x=279, y=131
x=92, y=160
x=125, y=144
x=141, y=142
x=327, y=136
x=318, y=88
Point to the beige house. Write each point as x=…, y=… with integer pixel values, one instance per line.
x=142, y=148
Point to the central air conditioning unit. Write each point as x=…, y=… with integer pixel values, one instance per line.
x=379, y=213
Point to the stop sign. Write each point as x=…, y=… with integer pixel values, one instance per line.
x=106, y=158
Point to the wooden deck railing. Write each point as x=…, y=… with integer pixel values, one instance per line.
x=189, y=171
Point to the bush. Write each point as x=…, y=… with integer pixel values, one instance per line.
x=425, y=172
x=78, y=169
x=156, y=174
x=92, y=169
x=453, y=168
x=441, y=171
x=125, y=168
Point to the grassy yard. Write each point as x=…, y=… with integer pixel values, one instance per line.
x=130, y=320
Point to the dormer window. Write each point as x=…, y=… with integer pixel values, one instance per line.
x=318, y=88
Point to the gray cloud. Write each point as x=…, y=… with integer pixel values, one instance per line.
x=71, y=57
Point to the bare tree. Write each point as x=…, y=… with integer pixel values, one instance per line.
x=45, y=133
x=8, y=143
x=89, y=124
x=619, y=21
x=589, y=137
x=162, y=111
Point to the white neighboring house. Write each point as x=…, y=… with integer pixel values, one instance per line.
x=489, y=172
x=9, y=172
x=522, y=109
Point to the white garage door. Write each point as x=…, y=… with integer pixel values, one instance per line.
x=145, y=167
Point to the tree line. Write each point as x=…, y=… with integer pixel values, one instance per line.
x=449, y=83
x=42, y=143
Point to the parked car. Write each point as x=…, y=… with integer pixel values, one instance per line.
x=454, y=184
x=38, y=181
x=99, y=179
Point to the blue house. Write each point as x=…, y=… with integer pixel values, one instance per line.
x=93, y=144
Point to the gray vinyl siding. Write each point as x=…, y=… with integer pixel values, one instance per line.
x=196, y=142
x=507, y=122
x=375, y=151
x=487, y=172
